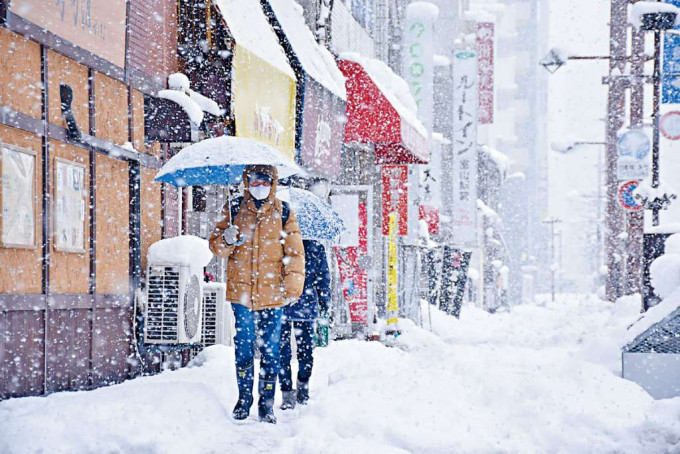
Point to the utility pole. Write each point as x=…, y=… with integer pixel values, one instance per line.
x=616, y=97
x=553, y=265
x=635, y=219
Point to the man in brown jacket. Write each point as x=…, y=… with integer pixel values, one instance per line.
x=260, y=238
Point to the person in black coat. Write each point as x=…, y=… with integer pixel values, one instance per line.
x=300, y=319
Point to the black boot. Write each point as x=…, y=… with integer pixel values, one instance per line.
x=289, y=399
x=265, y=404
x=244, y=379
x=302, y=392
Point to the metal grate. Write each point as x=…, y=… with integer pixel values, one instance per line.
x=162, y=304
x=662, y=338
x=209, y=330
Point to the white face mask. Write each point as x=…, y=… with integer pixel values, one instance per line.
x=260, y=192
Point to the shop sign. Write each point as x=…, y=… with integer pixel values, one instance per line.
x=485, y=50
x=97, y=26
x=418, y=69
x=395, y=197
x=263, y=102
x=322, y=130
x=392, y=271
x=69, y=212
x=18, y=192
x=465, y=155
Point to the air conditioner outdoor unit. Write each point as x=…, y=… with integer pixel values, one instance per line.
x=218, y=320
x=174, y=300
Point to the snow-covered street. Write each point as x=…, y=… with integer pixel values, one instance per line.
x=537, y=379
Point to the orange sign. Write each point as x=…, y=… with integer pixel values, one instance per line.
x=97, y=26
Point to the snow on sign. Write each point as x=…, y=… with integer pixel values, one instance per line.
x=626, y=198
x=669, y=125
x=633, y=143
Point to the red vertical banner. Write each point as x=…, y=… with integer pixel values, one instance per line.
x=431, y=215
x=395, y=197
x=485, y=54
x=354, y=283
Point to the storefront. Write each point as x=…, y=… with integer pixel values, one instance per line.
x=73, y=78
x=263, y=83
x=321, y=95
x=383, y=139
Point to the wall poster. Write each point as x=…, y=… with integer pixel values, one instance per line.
x=69, y=206
x=18, y=192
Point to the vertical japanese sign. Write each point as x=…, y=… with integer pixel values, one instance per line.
x=465, y=99
x=392, y=271
x=418, y=58
x=431, y=187
x=485, y=52
x=394, y=197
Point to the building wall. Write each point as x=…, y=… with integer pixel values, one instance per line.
x=68, y=325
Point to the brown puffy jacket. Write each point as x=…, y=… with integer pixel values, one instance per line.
x=269, y=266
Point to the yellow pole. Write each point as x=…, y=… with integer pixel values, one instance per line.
x=392, y=297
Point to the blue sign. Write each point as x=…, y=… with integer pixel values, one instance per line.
x=670, y=84
x=633, y=143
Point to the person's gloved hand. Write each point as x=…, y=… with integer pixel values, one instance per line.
x=232, y=235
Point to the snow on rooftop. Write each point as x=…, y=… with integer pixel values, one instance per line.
x=422, y=10
x=185, y=249
x=315, y=59
x=251, y=29
x=392, y=86
x=639, y=9
x=190, y=106
x=439, y=137
x=501, y=159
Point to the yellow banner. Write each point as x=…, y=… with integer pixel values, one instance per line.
x=392, y=263
x=264, y=101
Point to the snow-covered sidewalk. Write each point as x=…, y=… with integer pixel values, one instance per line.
x=540, y=379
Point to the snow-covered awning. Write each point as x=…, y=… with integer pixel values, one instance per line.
x=315, y=59
x=381, y=110
x=263, y=82
x=250, y=29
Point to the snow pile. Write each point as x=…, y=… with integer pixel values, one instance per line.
x=316, y=60
x=180, y=82
x=639, y=9
x=441, y=60
x=507, y=383
x=185, y=249
x=665, y=276
x=190, y=106
x=662, y=195
x=250, y=29
x=392, y=86
x=423, y=11
x=501, y=159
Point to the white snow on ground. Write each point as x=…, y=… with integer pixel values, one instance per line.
x=539, y=379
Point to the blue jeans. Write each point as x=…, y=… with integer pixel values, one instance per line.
x=304, y=338
x=264, y=325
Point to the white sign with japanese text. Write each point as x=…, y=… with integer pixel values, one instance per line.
x=69, y=210
x=465, y=106
x=18, y=192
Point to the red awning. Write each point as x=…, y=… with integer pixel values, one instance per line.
x=371, y=117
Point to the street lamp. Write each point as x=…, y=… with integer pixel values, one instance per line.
x=568, y=147
x=553, y=265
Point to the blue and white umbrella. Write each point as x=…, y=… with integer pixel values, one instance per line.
x=221, y=161
x=316, y=218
